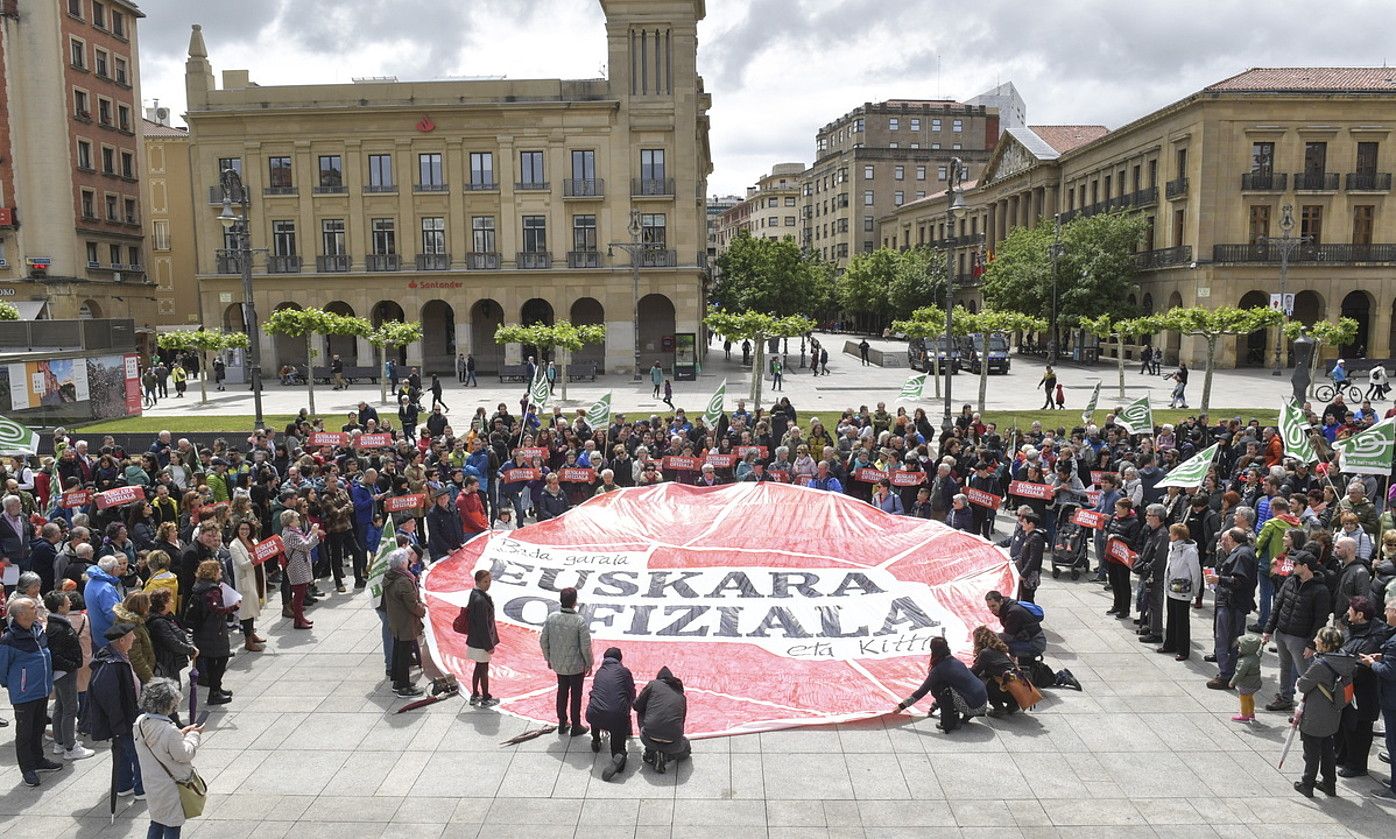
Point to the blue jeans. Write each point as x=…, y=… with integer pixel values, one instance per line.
x=387, y=640
x=1265, y=593
x=160, y=831
x=128, y=769
x=1229, y=625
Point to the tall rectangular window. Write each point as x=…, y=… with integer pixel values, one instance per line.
x=482, y=234
x=128, y=206
x=920, y=173
x=1180, y=163
x=104, y=111
x=114, y=254
x=429, y=172
x=531, y=168
x=92, y=258
x=868, y=173
x=283, y=238
x=226, y=163
x=893, y=124
x=160, y=235
x=583, y=165
x=75, y=8
x=331, y=171
x=482, y=169
x=1362, y=215
x=535, y=234
x=119, y=70
x=915, y=123
x=1311, y=222
x=108, y=160
x=653, y=230
x=89, y=204
x=935, y=124
x=1178, y=228
x=99, y=62
x=433, y=235
x=957, y=125
x=652, y=164
x=279, y=172
x=77, y=54
x=384, y=236
x=99, y=15
x=584, y=233
x=867, y=198
x=332, y=237
x=1259, y=223
x=1315, y=159
x=1262, y=158
x=84, y=154
x=899, y=173
x=380, y=172
x=1366, y=159
x=899, y=198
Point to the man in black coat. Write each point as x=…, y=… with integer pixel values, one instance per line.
x=111, y=705
x=1029, y=560
x=1151, y=567
x=608, y=709
x=1022, y=631
x=983, y=479
x=1236, y=579
x=43, y=551
x=1302, y=607
x=662, y=710
x=444, y=531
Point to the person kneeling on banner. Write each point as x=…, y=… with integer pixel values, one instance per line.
x=991, y=664
x=957, y=692
x=662, y=709
x=1022, y=627
x=608, y=709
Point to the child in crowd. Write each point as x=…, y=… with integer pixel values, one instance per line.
x=1246, y=679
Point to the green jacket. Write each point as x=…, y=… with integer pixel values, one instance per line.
x=1271, y=542
x=566, y=643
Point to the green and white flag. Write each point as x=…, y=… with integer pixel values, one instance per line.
x=1192, y=472
x=716, y=405
x=1090, y=406
x=539, y=392
x=378, y=569
x=17, y=439
x=913, y=388
x=1368, y=453
x=1137, y=417
x=1294, y=431
x=599, y=414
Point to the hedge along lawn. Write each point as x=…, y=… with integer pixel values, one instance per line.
x=1071, y=418
x=185, y=424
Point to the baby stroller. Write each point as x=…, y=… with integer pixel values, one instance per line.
x=1069, y=549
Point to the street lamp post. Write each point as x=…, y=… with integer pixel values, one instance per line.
x=1056, y=252
x=954, y=178
x=635, y=247
x=234, y=193
x=1287, y=244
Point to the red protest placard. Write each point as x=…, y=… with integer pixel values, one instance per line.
x=328, y=438
x=681, y=464
x=516, y=476
x=120, y=495
x=980, y=498
x=373, y=441
x=869, y=475
x=530, y=452
x=1089, y=518
x=722, y=461
x=779, y=475
x=1093, y=496
x=576, y=475
x=908, y=479
x=1096, y=476
x=268, y=548
x=1027, y=489
x=398, y=503
x=1117, y=551
x=75, y=498
x=760, y=451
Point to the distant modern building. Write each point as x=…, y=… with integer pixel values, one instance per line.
x=169, y=223
x=71, y=243
x=1012, y=110
x=717, y=205
x=770, y=210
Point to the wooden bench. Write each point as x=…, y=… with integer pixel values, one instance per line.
x=323, y=374
x=513, y=373
x=582, y=371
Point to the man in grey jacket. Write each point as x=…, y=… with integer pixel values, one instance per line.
x=566, y=644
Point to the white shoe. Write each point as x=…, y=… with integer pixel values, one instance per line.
x=77, y=752
x=56, y=749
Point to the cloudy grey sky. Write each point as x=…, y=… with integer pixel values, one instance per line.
x=778, y=69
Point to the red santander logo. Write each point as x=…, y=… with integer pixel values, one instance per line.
x=425, y=125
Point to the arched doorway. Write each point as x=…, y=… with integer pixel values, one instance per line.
x=656, y=323
x=387, y=311
x=1308, y=309
x=289, y=349
x=439, y=338
x=1358, y=306
x=485, y=317
x=344, y=346
x=233, y=320
x=1173, y=340
x=89, y=310
x=1250, y=349
x=536, y=310
x=588, y=310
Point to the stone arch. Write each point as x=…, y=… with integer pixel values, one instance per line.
x=1309, y=307
x=385, y=311
x=1173, y=340
x=89, y=310
x=657, y=319
x=438, y=337
x=485, y=317
x=1358, y=306
x=1250, y=349
x=233, y=320
x=586, y=311
x=536, y=310
x=289, y=349
x=344, y=346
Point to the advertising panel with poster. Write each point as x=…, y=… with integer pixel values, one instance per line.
x=114, y=385
x=48, y=384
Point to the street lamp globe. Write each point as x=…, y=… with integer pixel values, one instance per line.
x=228, y=218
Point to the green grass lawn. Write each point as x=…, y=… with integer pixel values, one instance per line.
x=183, y=425
x=1070, y=418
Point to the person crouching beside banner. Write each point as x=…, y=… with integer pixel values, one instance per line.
x=481, y=637
x=1022, y=627
x=608, y=709
x=957, y=692
x=991, y=663
x=662, y=710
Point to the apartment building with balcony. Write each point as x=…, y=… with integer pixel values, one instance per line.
x=770, y=210
x=71, y=243
x=467, y=204
x=1213, y=174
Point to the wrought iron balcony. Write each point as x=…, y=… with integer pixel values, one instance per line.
x=331, y=189
x=584, y=188
x=583, y=259
x=1144, y=197
x=284, y=264
x=433, y=261
x=530, y=186
x=1264, y=181
x=430, y=187
x=1163, y=258
x=1315, y=181
x=1338, y=253
x=275, y=190
x=1176, y=188
x=383, y=262
x=379, y=188
x=657, y=187
x=655, y=258
x=481, y=261
x=334, y=263
x=482, y=186
x=533, y=260
x=1369, y=181
x=228, y=264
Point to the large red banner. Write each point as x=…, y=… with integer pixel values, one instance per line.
x=373, y=441
x=980, y=498
x=1117, y=551
x=1026, y=489
x=908, y=479
x=825, y=619
x=398, y=503
x=269, y=548
x=869, y=475
x=328, y=438
x=576, y=475
x=120, y=495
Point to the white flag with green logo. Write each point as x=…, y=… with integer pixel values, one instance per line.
x=716, y=405
x=1368, y=453
x=1192, y=472
x=1295, y=433
x=1137, y=417
x=599, y=414
x=17, y=439
x=913, y=388
x=378, y=569
x=1090, y=406
x=540, y=391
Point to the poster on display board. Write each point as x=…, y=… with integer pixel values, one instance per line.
x=114, y=385
x=48, y=384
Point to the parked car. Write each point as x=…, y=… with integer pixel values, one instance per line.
x=997, y=355
x=928, y=354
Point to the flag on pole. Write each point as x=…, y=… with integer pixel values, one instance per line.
x=378, y=569
x=17, y=439
x=1192, y=472
x=540, y=391
x=1137, y=417
x=1090, y=406
x=1295, y=433
x=913, y=388
x=1368, y=453
x=716, y=406
x=599, y=414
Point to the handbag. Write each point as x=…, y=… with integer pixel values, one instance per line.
x=193, y=791
x=1180, y=585
x=1024, y=692
x=461, y=624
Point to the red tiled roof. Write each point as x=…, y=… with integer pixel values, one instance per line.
x=1313, y=79
x=1064, y=138
x=155, y=129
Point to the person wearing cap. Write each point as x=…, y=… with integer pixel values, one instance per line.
x=1339, y=373
x=1302, y=607
x=111, y=706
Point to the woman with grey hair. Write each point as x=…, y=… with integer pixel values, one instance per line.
x=28, y=585
x=166, y=756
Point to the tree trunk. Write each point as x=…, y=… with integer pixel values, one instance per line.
x=1207, y=377
x=984, y=375
x=310, y=370
x=203, y=376
x=758, y=372
x=1120, y=361
x=934, y=365
x=566, y=357
x=383, y=374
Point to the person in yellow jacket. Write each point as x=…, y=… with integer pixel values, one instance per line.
x=161, y=577
x=181, y=379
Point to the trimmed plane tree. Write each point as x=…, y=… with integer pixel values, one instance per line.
x=1106, y=327
x=561, y=335
x=988, y=321
x=203, y=342
x=307, y=323
x=1211, y=325
x=391, y=335
x=757, y=327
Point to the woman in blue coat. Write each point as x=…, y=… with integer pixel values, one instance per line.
x=958, y=693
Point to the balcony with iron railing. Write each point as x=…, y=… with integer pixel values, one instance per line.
x=1306, y=253
x=482, y=261
x=1176, y=188
x=530, y=186
x=433, y=261
x=290, y=264
x=1144, y=197
x=1369, y=181
x=490, y=185
x=655, y=258
x=383, y=262
x=275, y=190
x=227, y=264
x=584, y=259
x=651, y=187
x=1264, y=181
x=533, y=260
x=1315, y=181
x=441, y=187
x=380, y=189
x=1163, y=258
x=584, y=188
x=330, y=189
x=336, y=263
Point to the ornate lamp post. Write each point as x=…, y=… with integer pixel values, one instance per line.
x=239, y=225
x=1287, y=245
x=954, y=178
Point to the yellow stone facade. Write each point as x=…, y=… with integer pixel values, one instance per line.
x=770, y=210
